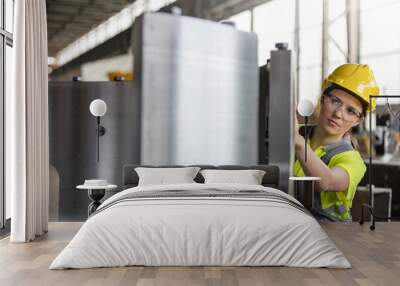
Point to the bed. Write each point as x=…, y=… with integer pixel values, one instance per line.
x=201, y=224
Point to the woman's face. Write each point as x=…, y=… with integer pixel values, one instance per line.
x=340, y=112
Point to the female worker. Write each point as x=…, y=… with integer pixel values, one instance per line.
x=331, y=156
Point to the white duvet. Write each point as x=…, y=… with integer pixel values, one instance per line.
x=200, y=231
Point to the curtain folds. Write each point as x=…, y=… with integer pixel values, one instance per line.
x=27, y=139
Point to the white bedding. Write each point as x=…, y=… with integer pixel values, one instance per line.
x=200, y=231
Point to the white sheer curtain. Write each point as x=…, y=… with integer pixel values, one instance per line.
x=27, y=147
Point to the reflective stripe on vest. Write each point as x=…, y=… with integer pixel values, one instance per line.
x=338, y=211
x=334, y=212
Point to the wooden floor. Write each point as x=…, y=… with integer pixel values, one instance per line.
x=375, y=256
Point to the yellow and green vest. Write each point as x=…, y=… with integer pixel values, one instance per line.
x=337, y=205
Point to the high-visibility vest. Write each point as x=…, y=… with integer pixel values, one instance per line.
x=327, y=203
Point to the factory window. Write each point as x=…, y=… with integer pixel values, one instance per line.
x=273, y=22
x=337, y=30
x=380, y=42
x=242, y=20
x=310, y=56
x=6, y=43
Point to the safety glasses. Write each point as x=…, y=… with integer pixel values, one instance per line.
x=349, y=113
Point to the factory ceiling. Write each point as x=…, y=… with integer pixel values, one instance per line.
x=67, y=20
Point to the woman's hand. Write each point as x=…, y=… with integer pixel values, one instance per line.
x=335, y=179
x=298, y=139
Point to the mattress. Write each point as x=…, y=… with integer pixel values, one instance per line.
x=201, y=225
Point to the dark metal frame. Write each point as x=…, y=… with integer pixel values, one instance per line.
x=369, y=206
x=100, y=131
x=6, y=39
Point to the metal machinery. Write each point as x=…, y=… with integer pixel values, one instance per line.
x=280, y=114
x=73, y=154
x=196, y=98
x=200, y=88
x=199, y=91
x=370, y=206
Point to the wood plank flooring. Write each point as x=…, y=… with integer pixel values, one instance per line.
x=375, y=257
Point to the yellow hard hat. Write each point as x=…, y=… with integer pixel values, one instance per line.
x=357, y=79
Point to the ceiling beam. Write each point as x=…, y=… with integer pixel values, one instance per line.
x=67, y=20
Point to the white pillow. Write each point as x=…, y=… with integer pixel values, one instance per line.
x=164, y=176
x=248, y=177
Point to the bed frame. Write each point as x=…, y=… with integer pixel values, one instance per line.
x=271, y=178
